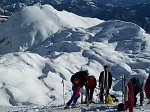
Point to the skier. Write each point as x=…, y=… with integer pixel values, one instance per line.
x=138, y=88
x=147, y=87
x=105, y=82
x=78, y=80
x=90, y=86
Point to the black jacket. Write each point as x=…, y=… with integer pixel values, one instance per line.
x=101, y=79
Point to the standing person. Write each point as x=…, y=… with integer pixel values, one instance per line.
x=78, y=80
x=138, y=88
x=105, y=82
x=90, y=86
x=130, y=101
x=147, y=87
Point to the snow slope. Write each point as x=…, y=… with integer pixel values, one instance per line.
x=29, y=27
x=38, y=52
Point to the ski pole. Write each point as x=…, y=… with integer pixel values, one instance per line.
x=125, y=91
x=122, y=88
x=82, y=96
x=63, y=91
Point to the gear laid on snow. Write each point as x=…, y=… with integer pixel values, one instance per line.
x=109, y=100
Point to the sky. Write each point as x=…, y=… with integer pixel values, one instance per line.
x=40, y=47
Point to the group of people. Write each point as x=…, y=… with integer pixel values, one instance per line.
x=82, y=78
x=135, y=86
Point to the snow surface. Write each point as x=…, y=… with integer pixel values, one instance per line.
x=40, y=47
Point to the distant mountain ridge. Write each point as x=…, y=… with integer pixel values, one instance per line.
x=124, y=3
x=102, y=9
x=138, y=14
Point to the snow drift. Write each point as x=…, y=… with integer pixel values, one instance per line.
x=29, y=27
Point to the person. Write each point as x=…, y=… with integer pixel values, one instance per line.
x=105, y=82
x=75, y=95
x=147, y=88
x=130, y=101
x=78, y=80
x=138, y=88
x=90, y=86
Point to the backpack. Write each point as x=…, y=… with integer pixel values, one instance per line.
x=114, y=98
x=139, y=84
x=81, y=75
x=91, y=82
x=121, y=107
x=109, y=100
x=74, y=78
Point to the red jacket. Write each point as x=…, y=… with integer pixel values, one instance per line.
x=91, y=82
x=76, y=89
x=147, y=87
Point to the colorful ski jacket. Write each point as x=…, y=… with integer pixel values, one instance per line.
x=76, y=90
x=91, y=82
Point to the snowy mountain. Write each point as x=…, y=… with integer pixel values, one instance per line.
x=124, y=2
x=41, y=46
x=12, y=6
x=130, y=14
x=30, y=30
x=131, y=10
